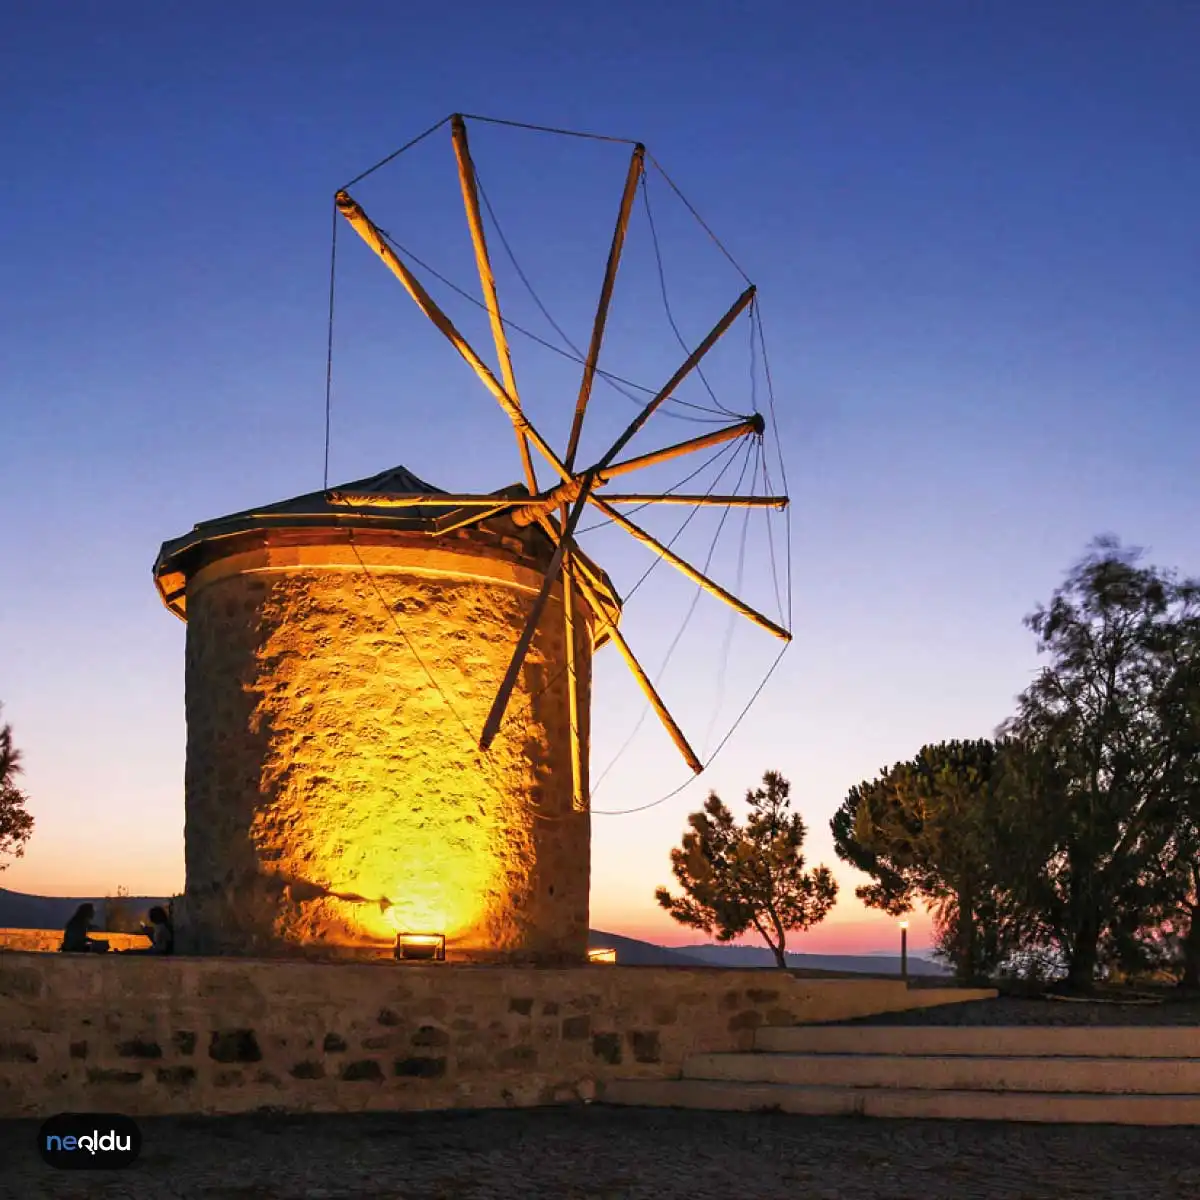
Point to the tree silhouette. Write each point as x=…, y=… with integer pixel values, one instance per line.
x=735, y=877
x=16, y=825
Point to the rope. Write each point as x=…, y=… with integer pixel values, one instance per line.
x=728, y=448
x=608, y=521
x=578, y=354
x=769, y=489
x=691, y=608
x=703, y=224
x=756, y=311
x=713, y=419
x=595, y=137
x=662, y=285
x=624, y=812
x=727, y=641
x=383, y=162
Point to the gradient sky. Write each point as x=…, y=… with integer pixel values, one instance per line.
x=974, y=233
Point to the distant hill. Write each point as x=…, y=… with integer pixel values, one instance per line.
x=858, y=964
x=633, y=953
x=19, y=910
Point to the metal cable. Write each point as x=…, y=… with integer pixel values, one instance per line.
x=662, y=286
x=395, y=154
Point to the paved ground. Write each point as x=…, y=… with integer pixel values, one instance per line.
x=619, y=1154
x=1012, y=1010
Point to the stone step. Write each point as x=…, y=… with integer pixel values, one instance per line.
x=957, y=1073
x=1113, y=1041
x=1055, y=1107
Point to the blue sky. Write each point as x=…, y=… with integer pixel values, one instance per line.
x=972, y=228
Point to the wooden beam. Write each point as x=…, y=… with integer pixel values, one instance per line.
x=366, y=229
x=487, y=280
x=753, y=424
x=500, y=704
x=689, y=364
x=694, y=575
x=606, y=289
x=433, y=500
x=656, y=702
x=472, y=517
x=578, y=797
x=681, y=498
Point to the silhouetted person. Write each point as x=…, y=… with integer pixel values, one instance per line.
x=160, y=933
x=75, y=935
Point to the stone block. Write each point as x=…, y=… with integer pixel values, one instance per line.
x=420, y=1068
x=607, y=1047
x=234, y=1046
x=365, y=1070
x=176, y=1076
x=18, y=1052
x=645, y=1045
x=576, y=1029
x=139, y=1048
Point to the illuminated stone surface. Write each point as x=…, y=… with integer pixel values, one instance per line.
x=335, y=791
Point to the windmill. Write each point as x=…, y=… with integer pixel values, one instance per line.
x=558, y=505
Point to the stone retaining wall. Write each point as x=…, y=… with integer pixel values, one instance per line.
x=146, y=1036
x=46, y=940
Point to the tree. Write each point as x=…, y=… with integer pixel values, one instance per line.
x=16, y=825
x=1177, y=710
x=928, y=829
x=735, y=878
x=1092, y=769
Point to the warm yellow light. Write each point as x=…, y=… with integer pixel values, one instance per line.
x=602, y=956
x=903, y=924
x=425, y=946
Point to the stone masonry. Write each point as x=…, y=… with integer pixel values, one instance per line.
x=144, y=1036
x=336, y=690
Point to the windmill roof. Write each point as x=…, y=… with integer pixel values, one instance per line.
x=180, y=557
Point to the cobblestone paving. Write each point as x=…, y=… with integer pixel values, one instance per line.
x=1013, y=1010
x=599, y=1153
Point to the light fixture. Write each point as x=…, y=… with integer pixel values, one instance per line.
x=904, y=951
x=602, y=956
x=421, y=947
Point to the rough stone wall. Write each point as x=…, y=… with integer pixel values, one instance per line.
x=146, y=1036
x=334, y=709
x=48, y=940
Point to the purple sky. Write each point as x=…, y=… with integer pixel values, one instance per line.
x=975, y=239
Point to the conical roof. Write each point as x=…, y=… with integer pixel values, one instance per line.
x=181, y=557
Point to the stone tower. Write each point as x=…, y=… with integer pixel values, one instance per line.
x=340, y=665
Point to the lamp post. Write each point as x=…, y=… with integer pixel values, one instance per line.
x=904, y=951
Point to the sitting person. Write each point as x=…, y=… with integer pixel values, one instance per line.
x=160, y=933
x=75, y=935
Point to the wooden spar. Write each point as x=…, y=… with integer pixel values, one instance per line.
x=695, y=576
x=366, y=229
x=692, y=359
x=610, y=276
x=680, y=498
x=496, y=715
x=643, y=679
x=578, y=799
x=487, y=281
x=473, y=517
x=432, y=500
x=753, y=424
